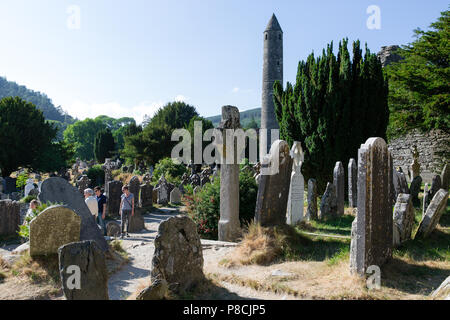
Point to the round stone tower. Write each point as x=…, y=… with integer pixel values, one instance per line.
x=272, y=71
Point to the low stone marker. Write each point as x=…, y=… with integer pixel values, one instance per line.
x=137, y=222
x=273, y=189
x=403, y=219
x=178, y=256
x=414, y=189
x=352, y=183
x=328, y=204
x=311, y=211
x=82, y=267
x=146, y=197
x=9, y=217
x=433, y=214
x=113, y=229
x=175, y=196
x=339, y=185
x=58, y=190
x=53, y=228
x=372, y=230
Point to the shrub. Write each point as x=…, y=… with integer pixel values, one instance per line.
x=28, y=199
x=21, y=180
x=204, y=207
x=24, y=230
x=172, y=172
x=97, y=175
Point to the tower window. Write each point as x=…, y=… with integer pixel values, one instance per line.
x=279, y=36
x=266, y=36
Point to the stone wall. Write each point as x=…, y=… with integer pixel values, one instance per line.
x=433, y=147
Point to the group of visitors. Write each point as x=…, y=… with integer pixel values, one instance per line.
x=97, y=207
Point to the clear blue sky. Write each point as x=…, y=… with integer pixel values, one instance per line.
x=129, y=57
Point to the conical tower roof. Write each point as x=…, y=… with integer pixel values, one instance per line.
x=273, y=24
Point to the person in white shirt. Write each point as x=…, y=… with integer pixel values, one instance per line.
x=91, y=202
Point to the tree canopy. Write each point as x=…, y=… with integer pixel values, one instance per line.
x=419, y=84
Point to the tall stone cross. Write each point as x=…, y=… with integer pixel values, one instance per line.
x=297, y=186
x=229, y=225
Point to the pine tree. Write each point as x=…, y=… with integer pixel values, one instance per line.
x=334, y=106
x=104, y=145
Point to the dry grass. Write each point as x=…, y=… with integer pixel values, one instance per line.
x=145, y=283
x=125, y=177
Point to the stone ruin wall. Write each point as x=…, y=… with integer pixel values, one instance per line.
x=433, y=147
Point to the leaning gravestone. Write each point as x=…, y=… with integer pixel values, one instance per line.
x=403, y=219
x=53, y=228
x=433, y=214
x=178, y=256
x=9, y=217
x=86, y=261
x=436, y=185
x=328, y=204
x=175, y=196
x=339, y=184
x=426, y=199
x=113, y=198
x=273, y=189
x=297, y=187
x=58, y=190
x=445, y=177
x=372, y=230
x=311, y=211
x=352, y=183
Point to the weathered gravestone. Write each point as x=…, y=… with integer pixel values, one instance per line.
x=403, y=219
x=9, y=217
x=328, y=204
x=10, y=185
x=426, y=199
x=108, y=166
x=83, y=183
x=372, y=229
x=146, y=197
x=58, y=190
x=53, y=228
x=352, y=183
x=163, y=191
x=28, y=187
x=311, y=211
x=134, y=188
x=415, y=165
x=155, y=195
x=137, y=222
x=229, y=225
x=82, y=267
x=339, y=185
x=433, y=214
x=414, y=189
x=273, y=189
x=113, y=198
x=178, y=256
x=297, y=186
x=175, y=196
x=436, y=185
x=445, y=177
x=400, y=183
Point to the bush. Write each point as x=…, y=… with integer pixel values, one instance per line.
x=97, y=175
x=172, y=172
x=28, y=199
x=24, y=230
x=204, y=207
x=21, y=180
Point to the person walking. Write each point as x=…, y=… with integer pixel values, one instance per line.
x=101, y=204
x=126, y=210
x=91, y=202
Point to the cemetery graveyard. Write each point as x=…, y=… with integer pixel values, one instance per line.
x=306, y=204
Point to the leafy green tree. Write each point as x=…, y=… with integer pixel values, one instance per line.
x=104, y=145
x=58, y=155
x=24, y=135
x=419, y=83
x=172, y=172
x=334, y=106
x=82, y=135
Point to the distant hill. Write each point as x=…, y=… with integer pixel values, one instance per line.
x=246, y=118
x=40, y=100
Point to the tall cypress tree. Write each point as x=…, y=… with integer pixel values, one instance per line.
x=104, y=145
x=334, y=106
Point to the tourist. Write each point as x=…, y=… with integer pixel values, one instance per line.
x=126, y=209
x=101, y=201
x=30, y=214
x=91, y=202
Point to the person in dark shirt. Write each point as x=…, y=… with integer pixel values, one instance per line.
x=101, y=201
